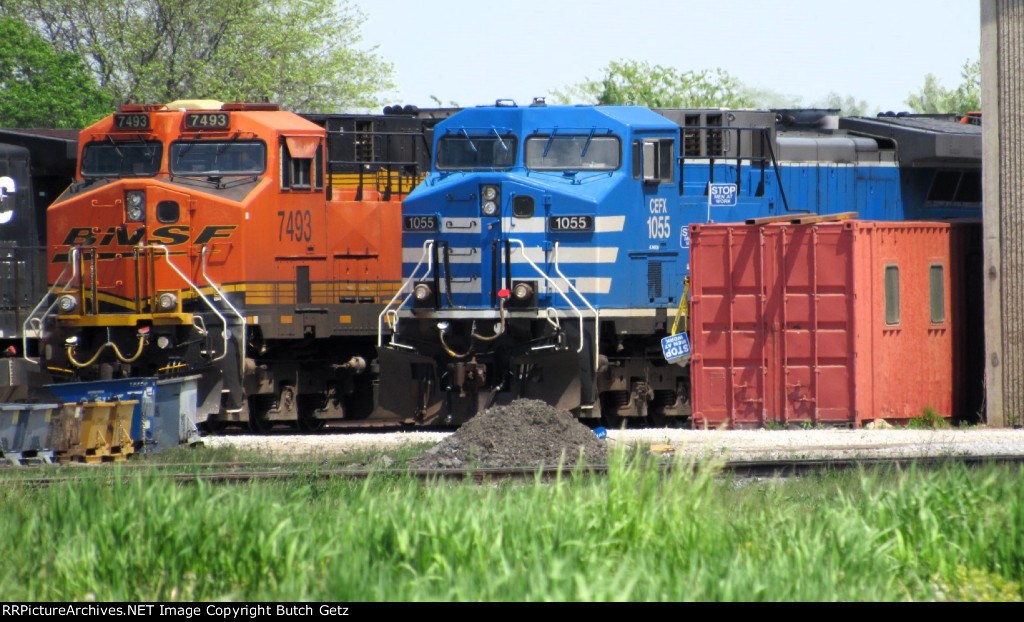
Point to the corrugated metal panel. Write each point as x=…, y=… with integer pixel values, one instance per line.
x=790, y=323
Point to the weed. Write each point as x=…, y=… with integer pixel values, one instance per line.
x=929, y=419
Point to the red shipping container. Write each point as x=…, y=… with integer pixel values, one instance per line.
x=834, y=323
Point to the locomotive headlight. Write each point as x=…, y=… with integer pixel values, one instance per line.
x=422, y=292
x=163, y=342
x=489, y=196
x=67, y=303
x=135, y=205
x=423, y=296
x=166, y=302
x=522, y=291
x=523, y=294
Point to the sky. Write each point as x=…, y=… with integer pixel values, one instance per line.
x=472, y=52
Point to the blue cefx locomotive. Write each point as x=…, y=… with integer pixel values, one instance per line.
x=547, y=253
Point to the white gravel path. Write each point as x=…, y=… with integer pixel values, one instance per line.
x=731, y=444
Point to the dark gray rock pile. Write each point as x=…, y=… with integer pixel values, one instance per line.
x=525, y=433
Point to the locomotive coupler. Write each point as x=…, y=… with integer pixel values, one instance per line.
x=471, y=375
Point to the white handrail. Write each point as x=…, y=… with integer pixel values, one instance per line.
x=597, y=314
x=195, y=288
x=223, y=297
x=393, y=313
x=73, y=264
x=552, y=283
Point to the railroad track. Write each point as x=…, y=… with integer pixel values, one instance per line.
x=229, y=473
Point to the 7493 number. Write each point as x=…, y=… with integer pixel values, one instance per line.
x=295, y=226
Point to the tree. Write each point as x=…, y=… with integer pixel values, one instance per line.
x=765, y=98
x=43, y=88
x=933, y=98
x=298, y=53
x=638, y=83
x=848, y=106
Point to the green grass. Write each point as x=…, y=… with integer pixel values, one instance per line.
x=636, y=534
x=929, y=419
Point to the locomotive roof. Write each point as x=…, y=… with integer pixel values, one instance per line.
x=15, y=151
x=922, y=140
x=530, y=118
x=282, y=121
x=54, y=152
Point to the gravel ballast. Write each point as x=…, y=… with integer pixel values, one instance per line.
x=540, y=437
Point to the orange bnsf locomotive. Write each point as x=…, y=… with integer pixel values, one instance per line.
x=239, y=243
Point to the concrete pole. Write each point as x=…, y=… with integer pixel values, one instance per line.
x=1002, y=98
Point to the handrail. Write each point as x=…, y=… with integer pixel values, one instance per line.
x=597, y=314
x=552, y=283
x=224, y=297
x=38, y=322
x=73, y=262
x=195, y=288
x=393, y=313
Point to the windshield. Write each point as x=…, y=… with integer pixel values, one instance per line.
x=218, y=158
x=465, y=152
x=117, y=159
x=572, y=153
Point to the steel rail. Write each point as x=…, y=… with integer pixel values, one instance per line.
x=736, y=468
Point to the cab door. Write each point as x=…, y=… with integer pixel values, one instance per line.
x=656, y=263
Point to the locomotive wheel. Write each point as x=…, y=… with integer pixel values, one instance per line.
x=258, y=407
x=610, y=401
x=656, y=418
x=307, y=421
x=214, y=426
x=611, y=420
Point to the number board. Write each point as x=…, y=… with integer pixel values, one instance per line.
x=419, y=223
x=131, y=121
x=571, y=223
x=207, y=120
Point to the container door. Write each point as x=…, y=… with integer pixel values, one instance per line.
x=731, y=349
x=816, y=355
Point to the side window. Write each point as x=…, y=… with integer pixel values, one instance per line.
x=318, y=169
x=892, y=295
x=302, y=165
x=637, y=160
x=937, y=293
x=658, y=162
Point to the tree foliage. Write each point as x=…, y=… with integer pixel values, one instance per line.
x=638, y=83
x=848, y=105
x=299, y=53
x=41, y=87
x=933, y=98
x=765, y=98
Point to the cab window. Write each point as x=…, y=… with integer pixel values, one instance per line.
x=298, y=173
x=573, y=153
x=218, y=158
x=653, y=160
x=466, y=152
x=139, y=158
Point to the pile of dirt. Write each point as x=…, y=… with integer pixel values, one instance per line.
x=525, y=433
